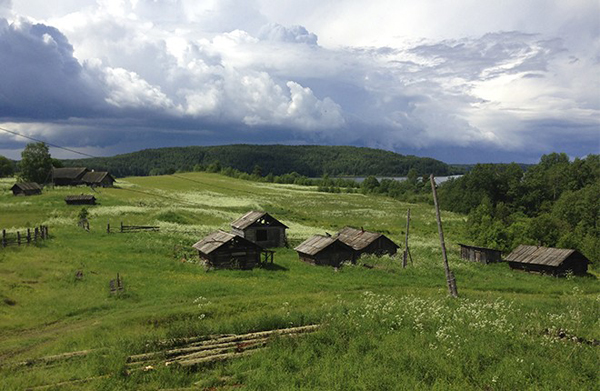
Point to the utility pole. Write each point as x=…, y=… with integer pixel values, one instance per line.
x=406, y=249
x=449, y=275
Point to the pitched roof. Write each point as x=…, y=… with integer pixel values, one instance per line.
x=96, y=176
x=68, y=172
x=82, y=197
x=539, y=255
x=27, y=186
x=217, y=239
x=252, y=217
x=318, y=243
x=358, y=239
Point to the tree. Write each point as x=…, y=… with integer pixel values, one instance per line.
x=6, y=167
x=36, y=163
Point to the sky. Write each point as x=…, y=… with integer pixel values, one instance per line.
x=463, y=81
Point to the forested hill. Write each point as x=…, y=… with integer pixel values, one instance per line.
x=308, y=160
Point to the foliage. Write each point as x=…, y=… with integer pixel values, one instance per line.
x=36, y=163
x=553, y=203
x=307, y=160
x=7, y=168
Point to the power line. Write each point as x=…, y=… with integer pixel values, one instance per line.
x=45, y=142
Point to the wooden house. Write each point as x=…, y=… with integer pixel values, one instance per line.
x=83, y=199
x=325, y=250
x=480, y=254
x=365, y=242
x=68, y=176
x=260, y=228
x=557, y=261
x=224, y=250
x=26, y=189
x=98, y=179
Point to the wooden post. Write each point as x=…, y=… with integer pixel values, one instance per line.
x=18, y=238
x=121, y=226
x=108, y=227
x=3, y=238
x=406, y=250
x=449, y=275
x=47, y=234
x=28, y=235
x=36, y=234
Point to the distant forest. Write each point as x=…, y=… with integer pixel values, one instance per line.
x=306, y=160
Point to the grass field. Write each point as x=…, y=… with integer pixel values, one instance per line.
x=383, y=328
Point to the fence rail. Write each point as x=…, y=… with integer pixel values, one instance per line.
x=134, y=228
x=18, y=238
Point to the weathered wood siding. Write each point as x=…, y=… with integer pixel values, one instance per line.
x=381, y=246
x=332, y=256
x=480, y=254
x=232, y=258
x=275, y=236
x=576, y=263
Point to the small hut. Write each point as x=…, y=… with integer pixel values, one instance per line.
x=26, y=189
x=557, y=261
x=480, y=254
x=325, y=250
x=68, y=176
x=98, y=179
x=260, y=228
x=365, y=242
x=83, y=199
x=228, y=251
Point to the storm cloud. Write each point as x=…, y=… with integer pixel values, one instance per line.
x=113, y=76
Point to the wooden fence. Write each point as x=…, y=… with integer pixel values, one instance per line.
x=18, y=238
x=133, y=228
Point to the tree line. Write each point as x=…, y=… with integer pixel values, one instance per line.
x=553, y=203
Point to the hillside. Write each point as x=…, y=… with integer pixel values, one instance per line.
x=307, y=160
x=383, y=327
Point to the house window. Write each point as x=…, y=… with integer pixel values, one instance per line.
x=261, y=235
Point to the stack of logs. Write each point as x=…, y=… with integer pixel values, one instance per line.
x=198, y=351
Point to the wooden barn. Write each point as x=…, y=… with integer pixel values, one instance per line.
x=557, y=261
x=260, y=228
x=223, y=250
x=26, y=189
x=365, y=242
x=68, y=176
x=480, y=254
x=325, y=250
x=83, y=199
x=98, y=179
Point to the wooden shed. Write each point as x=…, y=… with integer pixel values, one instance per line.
x=325, y=250
x=260, y=228
x=68, y=176
x=26, y=189
x=223, y=250
x=365, y=242
x=98, y=179
x=83, y=199
x=557, y=261
x=480, y=254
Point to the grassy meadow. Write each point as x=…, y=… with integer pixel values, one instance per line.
x=384, y=328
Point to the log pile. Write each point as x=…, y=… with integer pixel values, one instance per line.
x=220, y=348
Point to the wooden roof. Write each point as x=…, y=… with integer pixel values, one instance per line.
x=81, y=197
x=216, y=239
x=358, y=239
x=27, y=186
x=68, y=172
x=318, y=243
x=539, y=255
x=252, y=217
x=96, y=176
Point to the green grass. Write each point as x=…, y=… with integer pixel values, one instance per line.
x=385, y=327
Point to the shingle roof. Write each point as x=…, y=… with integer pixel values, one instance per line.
x=82, y=197
x=68, y=172
x=213, y=241
x=358, y=239
x=317, y=243
x=95, y=176
x=252, y=217
x=27, y=186
x=539, y=255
